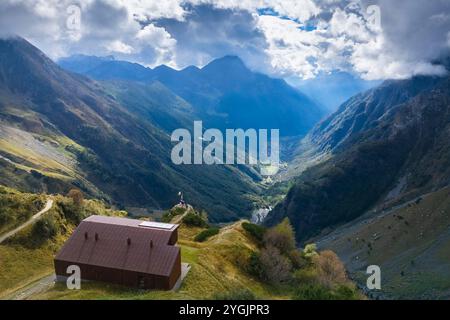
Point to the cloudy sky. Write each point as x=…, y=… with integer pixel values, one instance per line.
x=302, y=39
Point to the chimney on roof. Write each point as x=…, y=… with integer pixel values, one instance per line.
x=85, y=236
x=151, y=244
x=96, y=237
x=129, y=241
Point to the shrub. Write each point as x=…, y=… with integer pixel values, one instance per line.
x=305, y=276
x=205, y=234
x=313, y=292
x=5, y=216
x=77, y=197
x=310, y=251
x=297, y=259
x=237, y=294
x=72, y=212
x=346, y=293
x=194, y=220
x=330, y=269
x=254, y=267
x=319, y=292
x=281, y=237
x=256, y=231
x=170, y=214
x=46, y=228
x=276, y=267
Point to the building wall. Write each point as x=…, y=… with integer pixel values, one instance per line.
x=176, y=271
x=123, y=277
x=173, y=237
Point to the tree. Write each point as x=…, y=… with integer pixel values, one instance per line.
x=77, y=197
x=194, y=220
x=330, y=269
x=281, y=237
x=45, y=228
x=276, y=267
x=256, y=231
x=310, y=251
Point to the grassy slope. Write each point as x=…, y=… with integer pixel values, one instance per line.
x=411, y=244
x=217, y=265
x=24, y=258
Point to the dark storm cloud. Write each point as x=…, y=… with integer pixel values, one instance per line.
x=207, y=33
x=417, y=29
x=300, y=38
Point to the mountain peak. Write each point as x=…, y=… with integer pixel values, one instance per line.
x=163, y=67
x=233, y=58
x=229, y=61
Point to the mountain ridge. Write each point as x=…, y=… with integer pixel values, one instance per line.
x=391, y=137
x=107, y=149
x=224, y=93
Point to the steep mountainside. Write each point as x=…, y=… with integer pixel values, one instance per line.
x=224, y=94
x=382, y=147
x=60, y=129
x=410, y=243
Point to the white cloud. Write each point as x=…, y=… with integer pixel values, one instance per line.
x=291, y=50
x=148, y=10
x=390, y=41
x=294, y=9
x=119, y=47
x=377, y=39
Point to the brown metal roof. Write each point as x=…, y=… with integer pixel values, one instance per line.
x=122, y=244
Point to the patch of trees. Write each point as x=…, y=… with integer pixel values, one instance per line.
x=206, y=234
x=194, y=219
x=172, y=213
x=306, y=274
x=16, y=208
x=255, y=231
x=236, y=294
x=275, y=261
x=73, y=209
x=45, y=229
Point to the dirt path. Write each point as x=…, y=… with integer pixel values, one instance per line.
x=179, y=219
x=32, y=289
x=32, y=220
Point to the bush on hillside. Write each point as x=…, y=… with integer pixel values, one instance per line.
x=72, y=212
x=206, y=234
x=193, y=219
x=330, y=269
x=77, y=197
x=256, y=231
x=297, y=259
x=318, y=292
x=172, y=213
x=276, y=267
x=5, y=218
x=237, y=294
x=313, y=292
x=281, y=237
x=15, y=209
x=310, y=251
x=44, y=229
x=254, y=266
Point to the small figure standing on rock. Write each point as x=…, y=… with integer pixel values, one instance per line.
x=182, y=202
